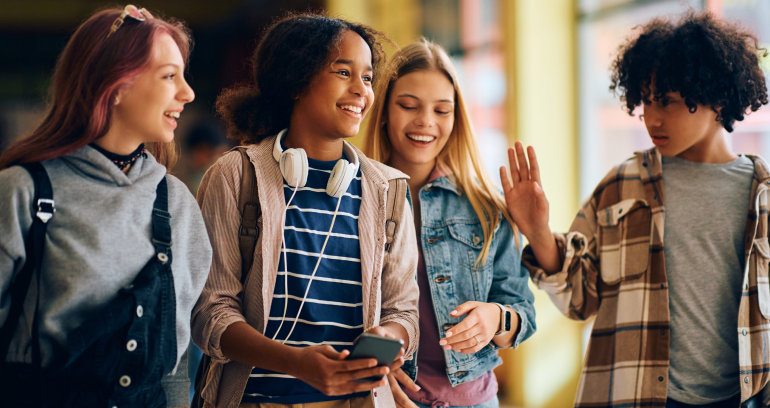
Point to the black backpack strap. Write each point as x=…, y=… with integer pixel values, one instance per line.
x=248, y=204
x=33, y=246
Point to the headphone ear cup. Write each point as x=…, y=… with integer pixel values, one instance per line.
x=340, y=179
x=294, y=166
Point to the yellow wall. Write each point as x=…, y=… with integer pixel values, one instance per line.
x=540, y=52
x=400, y=20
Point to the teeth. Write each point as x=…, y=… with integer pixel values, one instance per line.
x=172, y=114
x=421, y=138
x=351, y=108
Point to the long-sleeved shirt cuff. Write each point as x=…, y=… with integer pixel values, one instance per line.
x=214, y=348
x=410, y=325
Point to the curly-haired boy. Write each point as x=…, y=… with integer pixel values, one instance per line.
x=670, y=253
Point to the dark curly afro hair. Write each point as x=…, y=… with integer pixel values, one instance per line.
x=291, y=53
x=707, y=60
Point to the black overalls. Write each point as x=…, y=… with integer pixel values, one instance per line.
x=117, y=357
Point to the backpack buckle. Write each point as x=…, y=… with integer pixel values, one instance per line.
x=45, y=209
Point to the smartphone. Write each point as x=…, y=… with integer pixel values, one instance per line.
x=383, y=349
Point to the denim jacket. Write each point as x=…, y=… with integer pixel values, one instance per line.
x=452, y=239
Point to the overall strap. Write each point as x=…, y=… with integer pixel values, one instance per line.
x=161, y=220
x=33, y=246
x=394, y=209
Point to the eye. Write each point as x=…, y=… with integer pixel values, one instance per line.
x=442, y=112
x=170, y=76
x=409, y=108
x=368, y=78
x=343, y=72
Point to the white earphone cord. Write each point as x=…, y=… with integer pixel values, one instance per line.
x=307, y=290
x=285, y=267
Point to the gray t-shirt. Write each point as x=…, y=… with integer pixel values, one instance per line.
x=705, y=219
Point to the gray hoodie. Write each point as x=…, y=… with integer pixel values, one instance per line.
x=97, y=242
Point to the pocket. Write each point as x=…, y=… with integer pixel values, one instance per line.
x=471, y=235
x=624, y=240
x=761, y=255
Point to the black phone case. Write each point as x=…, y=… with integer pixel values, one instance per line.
x=383, y=349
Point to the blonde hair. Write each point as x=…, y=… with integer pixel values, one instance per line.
x=460, y=154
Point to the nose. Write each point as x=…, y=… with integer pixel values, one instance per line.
x=186, y=93
x=424, y=119
x=358, y=87
x=651, y=116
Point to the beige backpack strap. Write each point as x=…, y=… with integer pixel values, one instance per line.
x=248, y=204
x=394, y=209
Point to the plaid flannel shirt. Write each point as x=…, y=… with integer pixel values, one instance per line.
x=614, y=268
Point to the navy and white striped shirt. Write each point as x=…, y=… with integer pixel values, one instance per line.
x=333, y=311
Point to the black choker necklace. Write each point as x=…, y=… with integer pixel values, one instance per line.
x=120, y=160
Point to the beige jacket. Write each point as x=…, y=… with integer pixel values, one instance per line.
x=388, y=279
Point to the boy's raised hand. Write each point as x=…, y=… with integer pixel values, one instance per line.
x=524, y=194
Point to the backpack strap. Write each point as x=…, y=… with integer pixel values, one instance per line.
x=248, y=204
x=33, y=246
x=394, y=209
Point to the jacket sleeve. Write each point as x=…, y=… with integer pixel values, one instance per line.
x=17, y=191
x=220, y=303
x=573, y=289
x=400, y=293
x=510, y=283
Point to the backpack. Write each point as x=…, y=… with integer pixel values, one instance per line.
x=248, y=232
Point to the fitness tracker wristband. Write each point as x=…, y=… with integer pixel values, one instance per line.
x=505, y=320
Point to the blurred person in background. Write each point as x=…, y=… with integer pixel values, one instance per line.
x=203, y=145
x=474, y=297
x=312, y=87
x=111, y=322
x=670, y=253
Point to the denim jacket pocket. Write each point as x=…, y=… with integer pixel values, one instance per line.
x=761, y=260
x=470, y=234
x=624, y=240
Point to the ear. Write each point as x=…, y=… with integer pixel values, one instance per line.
x=118, y=96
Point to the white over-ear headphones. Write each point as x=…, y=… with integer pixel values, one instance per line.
x=294, y=167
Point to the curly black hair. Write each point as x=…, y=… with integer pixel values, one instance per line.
x=292, y=51
x=709, y=61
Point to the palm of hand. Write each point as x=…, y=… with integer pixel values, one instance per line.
x=527, y=206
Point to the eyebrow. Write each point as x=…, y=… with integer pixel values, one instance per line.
x=414, y=97
x=350, y=62
x=169, y=65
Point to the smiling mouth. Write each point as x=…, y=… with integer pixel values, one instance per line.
x=420, y=138
x=351, y=108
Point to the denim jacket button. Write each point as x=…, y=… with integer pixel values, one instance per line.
x=447, y=327
x=476, y=240
x=125, y=381
x=131, y=345
x=139, y=311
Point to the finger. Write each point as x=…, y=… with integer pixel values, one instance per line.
x=471, y=342
x=521, y=158
x=534, y=169
x=380, y=331
x=404, y=379
x=329, y=352
x=461, y=335
x=514, y=167
x=504, y=179
x=353, y=375
x=354, y=387
x=355, y=364
x=399, y=396
x=344, y=354
x=474, y=349
x=464, y=308
x=397, y=363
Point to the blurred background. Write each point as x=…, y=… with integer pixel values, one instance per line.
x=532, y=70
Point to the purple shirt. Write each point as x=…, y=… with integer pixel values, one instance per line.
x=432, y=376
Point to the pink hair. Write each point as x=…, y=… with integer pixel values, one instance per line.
x=89, y=73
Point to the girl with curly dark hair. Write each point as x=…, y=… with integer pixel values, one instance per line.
x=278, y=329
x=670, y=253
